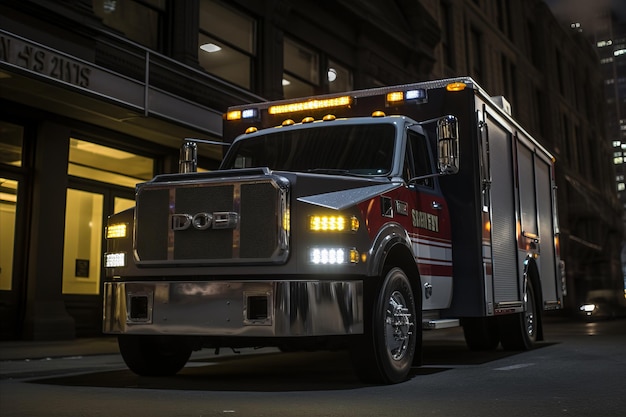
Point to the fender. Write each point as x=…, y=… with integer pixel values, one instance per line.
x=390, y=235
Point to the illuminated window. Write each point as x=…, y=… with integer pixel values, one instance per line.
x=83, y=242
x=226, y=43
x=8, y=204
x=619, y=160
x=104, y=164
x=139, y=20
x=621, y=186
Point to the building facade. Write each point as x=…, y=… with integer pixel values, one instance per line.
x=98, y=94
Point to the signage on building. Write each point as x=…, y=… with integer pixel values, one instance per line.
x=44, y=62
x=37, y=61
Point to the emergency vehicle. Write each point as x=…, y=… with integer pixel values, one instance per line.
x=352, y=221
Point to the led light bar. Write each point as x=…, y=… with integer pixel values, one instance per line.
x=115, y=259
x=310, y=105
x=248, y=113
x=116, y=231
x=416, y=94
x=333, y=224
x=401, y=96
x=233, y=115
x=395, y=96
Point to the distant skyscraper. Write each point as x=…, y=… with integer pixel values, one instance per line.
x=604, y=24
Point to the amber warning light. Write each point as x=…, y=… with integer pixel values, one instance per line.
x=311, y=105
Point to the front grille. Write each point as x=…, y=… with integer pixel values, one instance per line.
x=210, y=222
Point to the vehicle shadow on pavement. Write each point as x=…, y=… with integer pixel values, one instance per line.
x=274, y=372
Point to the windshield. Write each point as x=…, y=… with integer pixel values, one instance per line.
x=363, y=149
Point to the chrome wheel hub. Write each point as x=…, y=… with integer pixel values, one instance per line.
x=398, y=326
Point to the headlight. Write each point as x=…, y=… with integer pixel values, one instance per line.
x=115, y=259
x=588, y=308
x=333, y=256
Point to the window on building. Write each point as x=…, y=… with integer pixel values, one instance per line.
x=300, y=69
x=101, y=163
x=508, y=80
x=503, y=17
x=138, y=20
x=227, y=43
x=447, y=35
x=11, y=142
x=307, y=72
x=339, y=78
x=477, y=55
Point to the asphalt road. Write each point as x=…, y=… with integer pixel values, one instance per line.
x=580, y=370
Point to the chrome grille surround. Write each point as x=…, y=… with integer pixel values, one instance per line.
x=212, y=220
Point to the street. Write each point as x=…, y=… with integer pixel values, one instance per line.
x=578, y=371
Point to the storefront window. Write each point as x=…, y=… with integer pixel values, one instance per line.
x=8, y=203
x=83, y=242
x=138, y=20
x=109, y=165
x=226, y=43
x=121, y=204
x=11, y=138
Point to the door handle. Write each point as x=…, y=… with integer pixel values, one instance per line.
x=436, y=205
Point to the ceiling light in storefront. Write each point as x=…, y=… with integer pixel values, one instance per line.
x=286, y=82
x=100, y=150
x=210, y=48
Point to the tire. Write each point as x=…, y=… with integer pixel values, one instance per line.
x=389, y=346
x=154, y=355
x=481, y=333
x=519, y=331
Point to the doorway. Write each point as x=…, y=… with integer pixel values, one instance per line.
x=101, y=183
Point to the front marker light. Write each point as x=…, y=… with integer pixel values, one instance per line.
x=115, y=259
x=333, y=256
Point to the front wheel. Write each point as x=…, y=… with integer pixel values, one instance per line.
x=389, y=345
x=154, y=355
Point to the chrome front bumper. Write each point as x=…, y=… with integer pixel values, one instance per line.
x=234, y=308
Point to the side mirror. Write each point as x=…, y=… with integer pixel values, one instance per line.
x=448, y=145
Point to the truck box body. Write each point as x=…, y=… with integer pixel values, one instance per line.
x=441, y=209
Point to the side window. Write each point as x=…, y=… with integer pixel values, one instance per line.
x=419, y=162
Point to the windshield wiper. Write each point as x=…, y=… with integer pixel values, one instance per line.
x=328, y=171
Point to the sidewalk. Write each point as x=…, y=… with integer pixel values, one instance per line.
x=25, y=349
